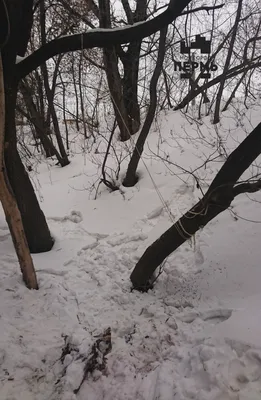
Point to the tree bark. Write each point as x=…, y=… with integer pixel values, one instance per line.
x=38, y=123
x=36, y=230
x=131, y=175
x=113, y=76
x=130, y=62
x=12, y=213
x=65, y=161
x=217, y=199
x=227, y=63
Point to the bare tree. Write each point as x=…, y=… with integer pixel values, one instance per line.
x=222, y=191
x=131, y=176
x=21, y=20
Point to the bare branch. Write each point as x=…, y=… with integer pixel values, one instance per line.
x=254, y=39
x=239, y=69
x=247, y=187
x=76, y=14
x=203, y=8
x=100, y=38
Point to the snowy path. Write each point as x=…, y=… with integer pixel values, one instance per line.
x=196, y=335
x=165, y=344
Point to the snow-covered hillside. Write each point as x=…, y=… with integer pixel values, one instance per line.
x=196, y=335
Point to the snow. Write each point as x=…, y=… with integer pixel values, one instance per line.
x=196, y=335
x=19, y=59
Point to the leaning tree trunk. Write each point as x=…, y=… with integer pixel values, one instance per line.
x=131, y=175
x=12, y=213
x=218, y=198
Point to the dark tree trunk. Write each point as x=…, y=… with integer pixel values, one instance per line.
x=9, y=204
x=124, y=92
x=130, y=85
x=50, y=93
x=64, y=157
x=41, y=107
x=115, y=87
x=113, y=76
x=217, y=199
x=131, y=175
x=233, y=93
x=37, y=232
x=80, y=66
x=76, y=94
x=36, y=229
x=39, y=124
x=131, y=61
x=64, y=113
x=227, y=63
x=167, y=88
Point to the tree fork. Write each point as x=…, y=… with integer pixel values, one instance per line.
x=218, y=198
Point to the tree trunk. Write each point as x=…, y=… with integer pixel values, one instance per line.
x=227, y=63
x=80, y=66
x=36, y=229
x=131, y=60
x=131, y=175
x=76, y=94
x=38, y=132
x=39, y=124
x=50, y=94
x=233, y=93
x=217, y=199
x=115, y=87
x=12, y=214
x=113, y=76
x=130, y=85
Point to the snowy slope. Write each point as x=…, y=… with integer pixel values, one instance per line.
x=196, y=335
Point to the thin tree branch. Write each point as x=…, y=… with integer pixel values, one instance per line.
x=247, y=187
x=241, y=68
x=254, y=39
x=76, y=14
x=203, y=8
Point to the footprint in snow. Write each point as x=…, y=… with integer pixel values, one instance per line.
x=219, y=315
x=157, y=211
x=124, y=239
x=75, y=216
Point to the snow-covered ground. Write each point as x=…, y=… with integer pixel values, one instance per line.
x=196, y=335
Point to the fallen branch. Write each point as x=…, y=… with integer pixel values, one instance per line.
x=97, y=359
